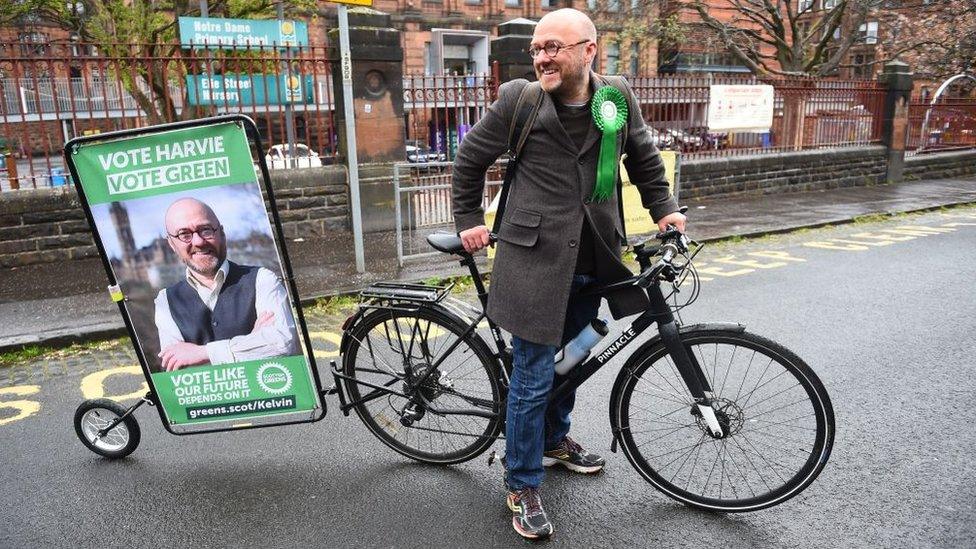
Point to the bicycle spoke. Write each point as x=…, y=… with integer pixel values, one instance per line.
x=754, y=468
x=744, y=377
x=661, y=397
x=783, y=407
x=727, y=370
x=765, y=406
x=680, y=380
x=664, y=435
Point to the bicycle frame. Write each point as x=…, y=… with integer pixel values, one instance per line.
x=657, y=311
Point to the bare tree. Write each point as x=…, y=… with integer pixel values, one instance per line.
x=936, y=37
x=636, y=21
x=140, y=40
x=786, y=37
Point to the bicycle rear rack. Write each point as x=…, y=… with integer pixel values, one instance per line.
x=404, y=291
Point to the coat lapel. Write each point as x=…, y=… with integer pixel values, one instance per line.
x=550, y=120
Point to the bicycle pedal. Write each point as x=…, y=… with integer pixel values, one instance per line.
x=492, y=457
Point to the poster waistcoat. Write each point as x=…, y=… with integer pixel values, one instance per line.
x=233, y=315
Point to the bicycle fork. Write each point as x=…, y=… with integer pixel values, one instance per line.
x=686, y=363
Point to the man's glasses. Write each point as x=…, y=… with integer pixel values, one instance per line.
x=206, y=232
x=552, y=48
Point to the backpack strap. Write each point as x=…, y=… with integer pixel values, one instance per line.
x=526, y=110
x=618, y=82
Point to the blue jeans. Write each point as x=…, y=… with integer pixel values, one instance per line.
x=532, y=425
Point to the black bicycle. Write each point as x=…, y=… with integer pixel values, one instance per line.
x=709, y=414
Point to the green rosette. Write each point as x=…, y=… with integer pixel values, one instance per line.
x=609, y=115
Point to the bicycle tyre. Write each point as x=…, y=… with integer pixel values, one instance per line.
x=807, y=454
x=94, y=414
x=436, y=439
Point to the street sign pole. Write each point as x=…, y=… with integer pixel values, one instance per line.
x=289, y=109
x=347, y=100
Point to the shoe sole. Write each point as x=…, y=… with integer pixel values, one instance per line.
x=552, y=462
x=525, y=533
x=529, y=535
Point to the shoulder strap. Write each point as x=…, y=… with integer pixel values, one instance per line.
x=618, y=82
x=526, y=109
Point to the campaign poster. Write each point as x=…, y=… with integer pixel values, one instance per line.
x=744, y=108
x=182, y=221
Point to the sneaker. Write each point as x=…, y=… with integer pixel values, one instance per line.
x=529, y=518
x=572, y=456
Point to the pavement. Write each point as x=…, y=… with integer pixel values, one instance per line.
x=53, y=305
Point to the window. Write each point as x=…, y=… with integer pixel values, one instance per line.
x=836, y=35
x=635, y=5
x=512, y=3
x=803, y=30
x=613, y=5
x=33, y=43
x=634, y=58
x=805, y=5
x=613, y=58
x=591, y=5
x=868, y=32
x=829, y=4
x=550, y=4
x=863, y=66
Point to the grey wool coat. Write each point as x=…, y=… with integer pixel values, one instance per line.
x=548, y=201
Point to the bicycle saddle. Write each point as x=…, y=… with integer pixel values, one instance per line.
x=448, y=243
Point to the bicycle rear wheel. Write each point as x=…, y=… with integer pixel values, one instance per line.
x=777, y=419
x=454, y=414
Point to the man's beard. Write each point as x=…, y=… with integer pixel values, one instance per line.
x=570, y=74
x=214, y=262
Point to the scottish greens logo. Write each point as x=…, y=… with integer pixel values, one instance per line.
x=274, y=378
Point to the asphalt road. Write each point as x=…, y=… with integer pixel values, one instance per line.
x=884, y=316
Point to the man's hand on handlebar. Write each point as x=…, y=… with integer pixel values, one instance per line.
x=677, y=219
x=475, y=238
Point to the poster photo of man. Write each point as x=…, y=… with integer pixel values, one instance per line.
x=201, y=275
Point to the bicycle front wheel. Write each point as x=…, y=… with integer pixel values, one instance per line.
x=776, y=417
x=440, y=396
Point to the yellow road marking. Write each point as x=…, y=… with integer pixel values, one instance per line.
x=883, y=237
x=719, y=271
x=93, y=385
x=328, y=337
x=777, y=254
x=830, y=245
x=25, y=408
x=863, y=243
x=731, y=260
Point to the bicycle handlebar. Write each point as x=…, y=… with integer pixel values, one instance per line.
x=673, y=243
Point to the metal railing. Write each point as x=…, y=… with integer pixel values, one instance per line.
x=79, y=89
x=807, y=113
x=947, y=124
x=45, y=100
x=422, y=194
x=439, y=110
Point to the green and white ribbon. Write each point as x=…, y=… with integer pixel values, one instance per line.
x=609, y=115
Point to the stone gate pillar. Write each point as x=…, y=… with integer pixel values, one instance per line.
x=897, y=78
x=377, y=87
x=509, y=49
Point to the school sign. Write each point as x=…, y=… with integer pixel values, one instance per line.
x=214, y=33
x=248, y=89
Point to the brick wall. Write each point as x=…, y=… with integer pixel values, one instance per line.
x=785, y=172
x=48, y=225
x=947, y=164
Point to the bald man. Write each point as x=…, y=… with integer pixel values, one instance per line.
x=220, y=312
x=554, y=240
